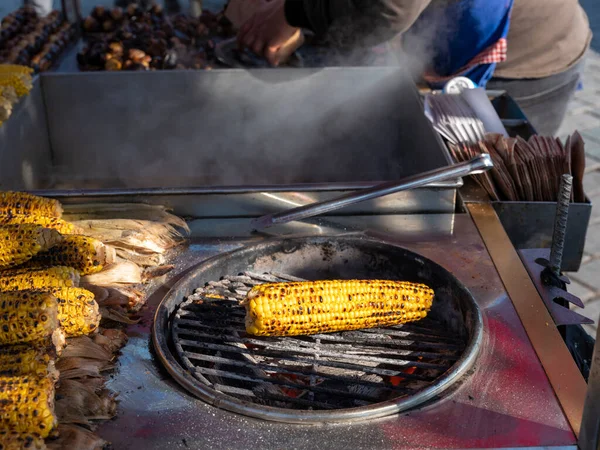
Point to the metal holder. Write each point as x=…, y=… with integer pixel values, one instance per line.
x=480, y=163
x=544, y=266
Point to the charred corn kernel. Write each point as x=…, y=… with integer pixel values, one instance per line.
x=85, y=254
x=60, y=225
x=78, y=311
x=21, y=82
x=15, y=68
x=19, y=360
x=13, y=440
x=24, y=203
x=287, y=309
x=28, y=317
x=27, y=405
x=20, y=243
x=51, y=277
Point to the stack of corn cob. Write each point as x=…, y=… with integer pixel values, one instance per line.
x=15, y=82
x=50, y=319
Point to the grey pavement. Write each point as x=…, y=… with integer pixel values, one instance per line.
x=583, y=115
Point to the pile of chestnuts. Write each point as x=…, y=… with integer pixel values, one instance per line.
x=33, y=41
x=148, y=39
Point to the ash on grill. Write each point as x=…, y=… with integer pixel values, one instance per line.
x=325, y=371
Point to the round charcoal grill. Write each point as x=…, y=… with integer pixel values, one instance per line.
x=200, y=336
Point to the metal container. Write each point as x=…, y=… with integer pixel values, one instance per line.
x=531, y=224
x=272, y=138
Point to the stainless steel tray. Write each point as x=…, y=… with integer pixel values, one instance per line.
x=234, y=139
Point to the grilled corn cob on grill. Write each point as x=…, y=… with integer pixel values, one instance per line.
x=13, y=440
x=288, y=309
x=23, y=203
x=86, y=255
x=28, y=317
x=20, y=243
x=27, y=405
x=52, y=277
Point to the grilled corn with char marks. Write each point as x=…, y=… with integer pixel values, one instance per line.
x=86, y=255
x=24, y=203
x=51, y=277
x=78, y=311
x=20, y=243
x=19, y=360
x=13, y=440
x=27, y=405
x=55, y=223
x=297, y=308
x=29, y=317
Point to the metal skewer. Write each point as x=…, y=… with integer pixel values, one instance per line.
x=479, y=164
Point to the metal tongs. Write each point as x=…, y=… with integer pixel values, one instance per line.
x=479, y=164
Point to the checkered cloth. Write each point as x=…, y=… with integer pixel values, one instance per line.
x=495, y=53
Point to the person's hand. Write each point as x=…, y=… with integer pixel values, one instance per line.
x=268, y=34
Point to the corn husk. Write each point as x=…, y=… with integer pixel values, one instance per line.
x=126, y=297
x=75, y=367
x=79, y=404
x=75, y=437
x=122, y=272
x=111, y=339
x=85, y=347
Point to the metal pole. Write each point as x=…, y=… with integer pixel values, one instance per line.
x=560, y=223
x=589, y=436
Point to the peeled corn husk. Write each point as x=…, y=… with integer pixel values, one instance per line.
x=137, y=235
x=121, y=272
x=76, y=437
x=80, y=404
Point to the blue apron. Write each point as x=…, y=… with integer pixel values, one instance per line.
x=463, y=29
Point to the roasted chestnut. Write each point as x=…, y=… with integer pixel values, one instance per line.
x=113, y=64
x=90, y=24
x=98, y=13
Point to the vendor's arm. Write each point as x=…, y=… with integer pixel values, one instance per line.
x=344, y=23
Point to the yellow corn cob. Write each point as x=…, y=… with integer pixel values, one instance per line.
x=27, y=405
x=19, y=360
x=21, y=82
x=60, y=225
x=13, y=440
x=15, y=68
x=78, y=312
x=28, y=317
x=20, y=243
x=51, y=277
x=85, y=254
x=24, y=203
x=287, y=309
